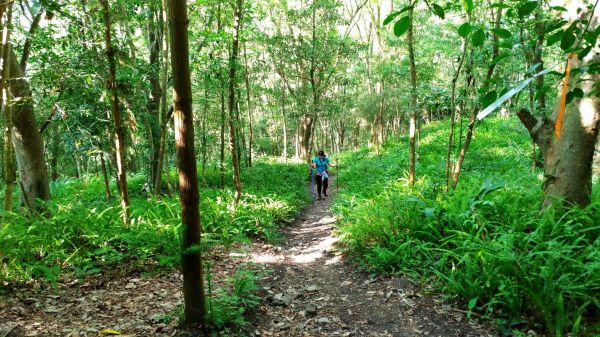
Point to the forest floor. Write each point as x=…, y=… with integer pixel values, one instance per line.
x=315, y=291
x=308, y=289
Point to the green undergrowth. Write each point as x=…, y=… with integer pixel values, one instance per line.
x=82, y=232
x=486, y=243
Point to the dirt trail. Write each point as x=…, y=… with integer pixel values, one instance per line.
x=310, y=291
x=314, y=291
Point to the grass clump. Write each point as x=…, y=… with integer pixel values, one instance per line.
x=485, y=243
x=84, y=234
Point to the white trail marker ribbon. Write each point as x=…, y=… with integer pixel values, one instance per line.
x=510, y=94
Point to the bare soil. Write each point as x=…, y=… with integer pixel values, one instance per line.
x=314, y=291
x=310, y=289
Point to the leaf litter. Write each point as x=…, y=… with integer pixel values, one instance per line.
x=310, y=290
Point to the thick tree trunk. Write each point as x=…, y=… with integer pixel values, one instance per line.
x=116, y=114
x=27, y=141
x=568, y=159
x=248, y=104
x=232, y=120
x=413, y=99
x=193, y=287
x=305, y=134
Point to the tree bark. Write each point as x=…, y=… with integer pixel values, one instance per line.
x=163, y=111
x=248, y=104
x=9, y=165
x=232, y=120
x=193, y=287
x=568, y=159
x=105, y=177
x=27, y=141
x=153, y=117
x=413, y=99
x=473, y=117
x=116, y=114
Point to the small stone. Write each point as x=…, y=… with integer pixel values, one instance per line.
x=282, y=299
x=323, y=320
x=312, y=288
x=309, y=310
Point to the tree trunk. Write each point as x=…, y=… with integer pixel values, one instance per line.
x=163, y=111
x=232, y=120
x=27, y=141
x=193, y=287
x=413, y=99
x=568, y=158
x=473, y=117
x=105, y=177
x=9, y=165
x=285, y=140
x=250, y=126
x=154, y=100
x=305, y=132
x=116, y=114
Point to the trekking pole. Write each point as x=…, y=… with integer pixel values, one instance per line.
x=337, y=179
x=312, y=181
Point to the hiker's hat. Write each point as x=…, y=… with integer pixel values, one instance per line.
x=321, y=153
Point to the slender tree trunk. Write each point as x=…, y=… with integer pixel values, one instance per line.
x=222, y=100
x=285, y=140
x=154, y=100
x=413, y=99
x=9, y=165
x=105, y=176
x=163, y=111
x=193, y=286
x=56, y=152
x=231, y=101
x=116, y=114
x=453, y=112
x=250, y=126
x=473, y=117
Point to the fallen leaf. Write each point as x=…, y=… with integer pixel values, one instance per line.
x=110, y=332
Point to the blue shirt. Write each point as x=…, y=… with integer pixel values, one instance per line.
x=321, y=165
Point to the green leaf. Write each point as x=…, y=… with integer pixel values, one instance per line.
x=567, y=40
x=559, y=8
x=401, y=26
x=464, y=30
x=584, y=52
x=439, y=11
x=552, y=39
x=499, y=5
x=390, y=17
x=489, y=98
x=501, y=32
x=478, y=38
x=393, y=15
x=472, y=303
x=577, y=92
x=468, y=5
x=500, y=58
x=527, y=8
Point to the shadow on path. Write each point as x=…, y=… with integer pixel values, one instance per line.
x=314, y=291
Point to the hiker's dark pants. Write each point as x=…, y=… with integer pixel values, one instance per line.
x=321, y=185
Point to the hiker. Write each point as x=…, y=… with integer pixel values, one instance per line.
x=321, y=163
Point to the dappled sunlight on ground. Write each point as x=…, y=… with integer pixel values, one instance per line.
x=310, y=242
